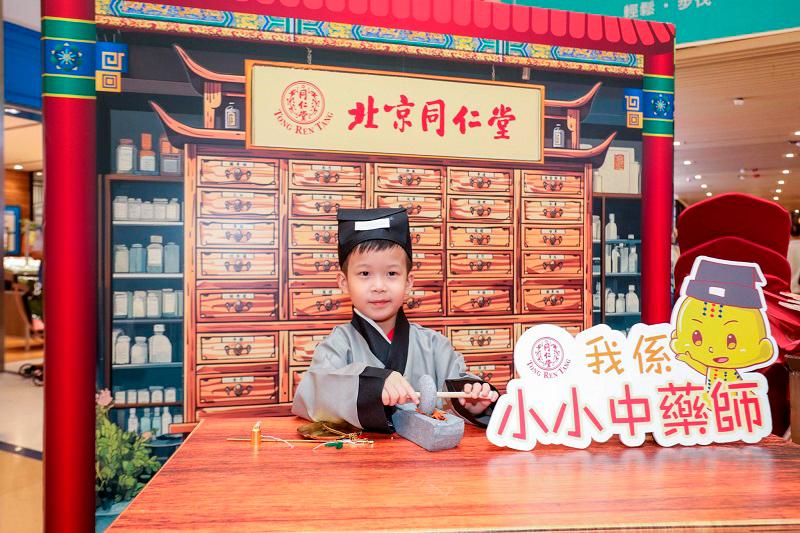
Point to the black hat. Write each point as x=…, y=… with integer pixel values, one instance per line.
x=726, y=283
x=362, y=225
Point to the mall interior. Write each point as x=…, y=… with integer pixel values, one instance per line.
x=736, y=131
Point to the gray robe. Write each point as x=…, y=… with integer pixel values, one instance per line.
x=346, y=377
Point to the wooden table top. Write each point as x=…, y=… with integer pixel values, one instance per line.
x=211, y=484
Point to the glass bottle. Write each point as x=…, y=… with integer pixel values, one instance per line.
x=139, y=351
x=174, y=210
x=130, y=396
x=139, y=306
x=608, y=259
x=119, y=208
x=166, y=421
x=172, y=258
x=155, y=255
x=145, y=423
x=126, y=156
x=596, y=297
x=122, y=350
x=170, y=157
x=157, y=394
x=147, y=157
x=169, y=303
x=134, y=208
x=596, y=228
x=232, y=121
x=157, y=422
x=558, y=136
x=170, y=395
x=160, y=347
x=623, y=258
x=121, y=258
x=121, y=304
x=633, y=261
x=133, y=421
x=620, y=307
x=142, y=396
x=632, y=300
x=180, y=301
x=147, y=211
x=611, y=300
x=160, y=209
x=611, y=228
x=153, y=304
x=137, y=258
x=615, y=260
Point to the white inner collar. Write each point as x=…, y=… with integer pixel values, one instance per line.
x=373, y=324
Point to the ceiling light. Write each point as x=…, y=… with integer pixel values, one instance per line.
x=785, y=171
x=703, y=186
x=39, y=173
x=708, y=194
x=738, y=101
x=698, y=176
x=797, y=133
x=781, y=182
x=778, y=191
x=797, y=210
x=12, y=111
x=741, y=177
x=776, y=198
x=18, y=167
x=790, y=155
x=688, y=162
x=678, y=143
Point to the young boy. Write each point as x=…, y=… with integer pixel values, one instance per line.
x=366, y=367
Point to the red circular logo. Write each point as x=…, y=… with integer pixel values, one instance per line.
x=303, y=102
x=547, y=354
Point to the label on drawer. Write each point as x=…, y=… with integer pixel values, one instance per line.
x=326, y=292
x=554, y=231
x=326, y=197
x=237, y=296
x=228, y=194
x=239, y=379
x=480, y=202
x=326, y=167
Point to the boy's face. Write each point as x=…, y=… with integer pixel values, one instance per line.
x=377, y=282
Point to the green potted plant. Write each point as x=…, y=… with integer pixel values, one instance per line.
x=123, y=464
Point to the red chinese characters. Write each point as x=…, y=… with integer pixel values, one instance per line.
x=501, y=116
x=683, y=409
x=360, y=112
x=736, y=407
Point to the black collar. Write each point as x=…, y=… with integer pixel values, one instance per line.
x=393, y=354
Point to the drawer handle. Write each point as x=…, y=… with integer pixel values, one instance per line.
x=326, y=176
x=480, y=265
x=553, y=300
x=485, y=376
x=481, y=340
x=480, y=183
x=415, y=238
x=327, y=305
x=409, y=179
x=479, y=239
x=238, y=205
x=413, y=209
x=239, y=307
x=238, y=390
x=325, y=266
x=552, y=185
x=238, y=174
x=238, y=235
x=555, y=212
x=238, y=266
x=326, y=206
x=552, y=240
x=413, y=303
x=481, y=302
x=553, y=265
x=481, y=210
x=326, y=237
x=238, y=349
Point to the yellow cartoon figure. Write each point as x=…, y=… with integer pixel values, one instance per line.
x=720, y=326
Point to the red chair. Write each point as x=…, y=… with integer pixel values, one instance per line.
x=738, y=215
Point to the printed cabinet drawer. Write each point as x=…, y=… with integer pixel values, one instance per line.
x=552, y=183
x=302, y=345
x=237, y=347
x=237, y=388
x=237, y=305
x=572, y=327
x=425, y=301
x=486, y=209
x=236, y=233
x=466, y=300
x=241, y=204
x=313, y=235
x=496, y=372
x=252, y=173
x=550, y=264
x=468, y=181
x=313, y=265
x=541, y=210
x=540, y=297
x=417, y=207
x=428, y=265
x=323, y=205
x=479, y=236
x=314, y=302
x=480, y=265
x=312, y=174
x=552, y=237
x=481, y=339
x=408, y=178
x=426, y=235
x=225, y=264
x=297, y=375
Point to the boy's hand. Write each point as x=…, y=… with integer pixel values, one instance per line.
x=397, y=390
x=481, y=397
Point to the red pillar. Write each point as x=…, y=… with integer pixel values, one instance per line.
x=71, y=279
x=657, y=194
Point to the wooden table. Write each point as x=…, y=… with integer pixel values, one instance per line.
x=211, y=484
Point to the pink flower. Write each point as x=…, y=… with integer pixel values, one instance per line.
x=103, y=398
